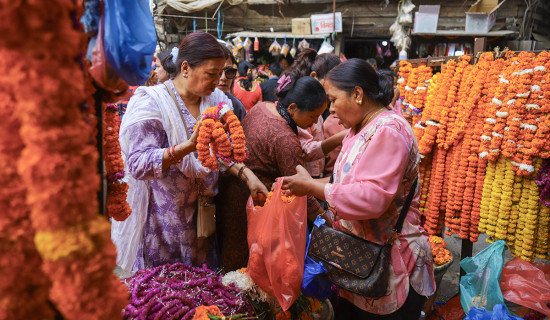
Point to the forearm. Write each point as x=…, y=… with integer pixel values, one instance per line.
x=316, y=188
x=173, y=155
x=331, y=143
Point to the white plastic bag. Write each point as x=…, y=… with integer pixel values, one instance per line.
x=303, y=44
x=325, y=48
x=275, y=48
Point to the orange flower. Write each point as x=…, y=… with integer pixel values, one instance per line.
x=202, y=312
x=213, y=141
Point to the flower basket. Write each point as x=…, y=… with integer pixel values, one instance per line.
x=439, y=270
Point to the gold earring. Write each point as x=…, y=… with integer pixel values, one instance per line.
x=359, y=101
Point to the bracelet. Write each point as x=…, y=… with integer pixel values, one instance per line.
x=241, y=170
x=172, y=155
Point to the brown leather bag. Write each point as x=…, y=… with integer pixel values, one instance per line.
x=355, y=264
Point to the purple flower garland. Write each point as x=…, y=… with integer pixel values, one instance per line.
x=174, y=291
x=543, y=181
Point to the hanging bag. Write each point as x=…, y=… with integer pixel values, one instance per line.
x=355, y=264
x=206, y=210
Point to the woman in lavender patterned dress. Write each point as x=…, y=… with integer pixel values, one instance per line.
x=161, y=166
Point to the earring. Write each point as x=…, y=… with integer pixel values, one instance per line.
x=359, y=101
x=185, y=75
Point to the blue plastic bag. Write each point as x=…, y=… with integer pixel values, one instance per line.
x=480, y=287
x=313, y=284
x=498, y=313
x=130, y=39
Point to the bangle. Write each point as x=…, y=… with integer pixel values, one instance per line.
x=172, y=155
x=241, y=170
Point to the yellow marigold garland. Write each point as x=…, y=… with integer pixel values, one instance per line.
x=543, y=230
x=58, y=164
x=213, y=142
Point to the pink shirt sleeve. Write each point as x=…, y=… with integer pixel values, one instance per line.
x=311, y=139
x=368, y=190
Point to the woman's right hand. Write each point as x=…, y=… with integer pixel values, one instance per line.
x=195, y=136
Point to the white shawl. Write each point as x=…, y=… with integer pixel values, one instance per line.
x=127, y=234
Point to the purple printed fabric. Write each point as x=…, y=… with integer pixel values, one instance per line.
x=169, y=228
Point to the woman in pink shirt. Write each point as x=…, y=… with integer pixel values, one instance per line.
x=374, y=172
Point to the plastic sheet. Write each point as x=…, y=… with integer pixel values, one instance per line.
x=480, y=286
x=130, y=39
x=313, y=284
x=277, y=243
x=104, y=76
x=498, y=313
x=527, y=284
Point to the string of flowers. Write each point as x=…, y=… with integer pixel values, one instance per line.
x=541, y=244
x=176, y=291
x=486, y=196
x=477, y=166
x=117, y=206
x=420, y=126
x=404, y=71
x=437, y=109
x=58, y=164
x=434, y=221
x=506, y=202
x=23, y=285
x=529, y=211
x=514, y=215
x=213, y=142
x=409, y=93
x=425, y=175
x=494, y=127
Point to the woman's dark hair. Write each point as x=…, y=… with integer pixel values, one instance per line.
x=275, y=68
x=303, y=63
x=243, y=69
x=230, y=54
x=167, y=63
x=306, y=92
x=358, y=73
x=197, y=47
x=324, y=63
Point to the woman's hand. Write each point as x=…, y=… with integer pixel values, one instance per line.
x=194, y=137
x=258, y=191
x=298, y=184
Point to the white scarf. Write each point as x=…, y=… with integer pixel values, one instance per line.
x=127, y=234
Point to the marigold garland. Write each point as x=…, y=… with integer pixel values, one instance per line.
x=213, y=142
x=23, y=285
x=58, y=164
x=440, y=253
x=117, y=206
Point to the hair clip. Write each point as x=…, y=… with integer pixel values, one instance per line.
x=283, y=82
x=175, y=51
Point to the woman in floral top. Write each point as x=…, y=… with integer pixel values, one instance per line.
x=372, y=176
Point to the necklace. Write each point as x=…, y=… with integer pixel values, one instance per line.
x=372, y=116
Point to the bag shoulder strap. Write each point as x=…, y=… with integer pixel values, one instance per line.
x=405, y=209
x=177, y=107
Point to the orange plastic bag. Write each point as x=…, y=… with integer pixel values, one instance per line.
x=527, y=284
x=277, y=242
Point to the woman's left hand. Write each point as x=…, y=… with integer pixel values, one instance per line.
x=298, y=184
x=257, y=189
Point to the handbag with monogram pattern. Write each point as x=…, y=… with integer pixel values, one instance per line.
x=355, y=264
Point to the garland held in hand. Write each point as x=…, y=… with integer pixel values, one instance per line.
x=213, y=142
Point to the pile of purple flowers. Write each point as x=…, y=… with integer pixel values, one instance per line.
x=174, y=291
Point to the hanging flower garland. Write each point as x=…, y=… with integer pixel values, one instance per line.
x=117, y=206
x=420, y=126
x=437, y=112
x=58, y=164
x=213, y=142
x=23, y=285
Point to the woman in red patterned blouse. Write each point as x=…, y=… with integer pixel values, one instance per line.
x=274, y=151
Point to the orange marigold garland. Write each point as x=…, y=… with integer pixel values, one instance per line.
x=58, y=164
x=23, y=286
x=117, y=206
x=213, y=142
x=420, y=126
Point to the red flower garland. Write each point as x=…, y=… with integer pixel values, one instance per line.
x=117, y=206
